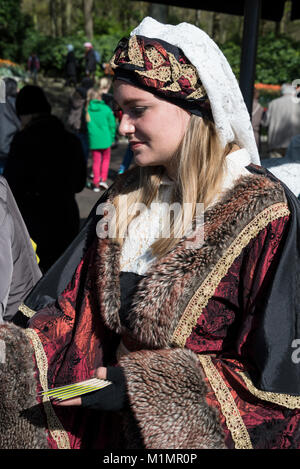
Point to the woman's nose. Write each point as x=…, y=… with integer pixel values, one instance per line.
x=126, y=127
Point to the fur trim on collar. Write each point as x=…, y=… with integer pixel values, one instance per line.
x=163, y=295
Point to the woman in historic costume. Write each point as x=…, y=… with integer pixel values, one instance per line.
x=198, y=334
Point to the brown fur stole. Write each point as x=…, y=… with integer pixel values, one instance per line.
x=21, y=421
x=167, y=394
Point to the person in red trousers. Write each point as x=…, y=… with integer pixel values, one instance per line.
x=101, y=124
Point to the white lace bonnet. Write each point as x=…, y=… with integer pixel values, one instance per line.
x=229, y=110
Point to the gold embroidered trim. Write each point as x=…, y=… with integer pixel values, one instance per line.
x=285, y=400
x=206, y=290
x=172, y=73
x=54, y=425
x=26, y=310
x=134, y=53
x=229, y=408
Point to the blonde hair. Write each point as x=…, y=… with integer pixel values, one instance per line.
x=97, y=92
x=105, y=83
x=200, y=161
x=92, y=93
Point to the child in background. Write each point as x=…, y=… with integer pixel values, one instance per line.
x=127, y=158
x=101, y=126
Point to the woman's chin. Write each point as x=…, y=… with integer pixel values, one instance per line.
x=140, y=161
x=143, y=158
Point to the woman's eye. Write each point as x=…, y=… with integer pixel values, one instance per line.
x=138, y=111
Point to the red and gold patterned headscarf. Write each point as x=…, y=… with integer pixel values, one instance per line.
x=162, y=69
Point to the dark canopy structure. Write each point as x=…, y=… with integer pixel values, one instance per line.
x=270, y=10
x=253, y=11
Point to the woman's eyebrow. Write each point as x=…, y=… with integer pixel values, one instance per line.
x=128, y=102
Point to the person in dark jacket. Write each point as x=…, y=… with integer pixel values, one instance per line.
x=19, y=270
x=9, y=121
x=33, y=66
x=90, y=60
x=257, y=117
x=45, y=169
x=71, y=67
x=76, y=121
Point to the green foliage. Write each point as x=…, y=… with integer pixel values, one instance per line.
x=232, y=52
x=13, y=71
x=106, y=45
x=266, y=96
x=278, y=59
x=13, y=27
x=52, y=51
x=107, y=27
x=18, y=39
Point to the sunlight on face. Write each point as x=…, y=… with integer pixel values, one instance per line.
x=154, y=127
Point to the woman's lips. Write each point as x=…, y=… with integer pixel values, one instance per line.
x=135, y=145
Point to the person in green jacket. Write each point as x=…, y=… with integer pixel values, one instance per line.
x=101, y=125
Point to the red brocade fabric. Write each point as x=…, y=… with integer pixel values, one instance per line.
x=76, y=342
x=223, y=329
x=268, y=425
x=226, y=321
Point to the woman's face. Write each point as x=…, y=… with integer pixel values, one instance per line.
x=154, y=127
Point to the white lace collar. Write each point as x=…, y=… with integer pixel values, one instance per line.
x=136, y=255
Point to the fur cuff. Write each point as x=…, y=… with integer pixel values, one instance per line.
x=21, y=420
x=166, y=391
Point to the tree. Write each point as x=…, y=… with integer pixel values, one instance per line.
x=13, y=26
x=53, y=16
x=216, y=23
x=68, y=12
x=88, y=18
x=159, y=12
